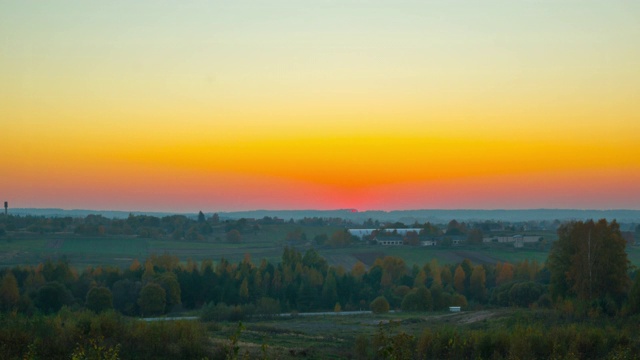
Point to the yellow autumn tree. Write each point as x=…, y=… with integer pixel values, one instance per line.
x=358, y=270
x=505, y=274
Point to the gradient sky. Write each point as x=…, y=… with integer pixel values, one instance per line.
x=230, y=105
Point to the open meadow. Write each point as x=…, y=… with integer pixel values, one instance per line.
x=81, y=251
x=483, y=334
x=23, y=248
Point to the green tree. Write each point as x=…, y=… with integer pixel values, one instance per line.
x=320, y=239
x=52, y=296
x=455, y=229
x=633, y=299
x=307, y=298
x=234, y=236
x=524, y=294
x=125, y=296
x=340, y=238
x=478, y=281
x=215, y=219
x=417, y=300
x=379, y=305
x=446, y=276
x=439, y=298
x=152, y=300
x=435, y=272
x=169, y=282
x=267, y=306
x=411, y=238
x=458, y=280
x=9, y=292
x=243, y=292
x=361, y=347
x=475, y=236
x=99, y=299
x=313, y=260
x=589, y=261
x=329, y=291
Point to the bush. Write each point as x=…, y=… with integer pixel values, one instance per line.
x=525, y=293
x=99, y=299
x=52, y=296
x=361, y=347
x=268, y=307
x=379, y=305
x=213, y=312
x=152, y=300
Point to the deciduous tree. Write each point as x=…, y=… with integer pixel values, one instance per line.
x=52, y=296
x=9, y=293
x=505, y=273
x=99, y=299
x=477, y=286
x=458, y=280
x=380, y=305
x=152, y=299
x=340, y=238
x=234, y=236
x=589, y=260
x=358, y=270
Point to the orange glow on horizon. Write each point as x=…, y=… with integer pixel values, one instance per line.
x=340, y=105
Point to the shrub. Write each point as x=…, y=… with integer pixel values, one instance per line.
x=379, y=305
x=99, y=299
x=213, y=312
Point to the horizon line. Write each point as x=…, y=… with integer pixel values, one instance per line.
x=351, y=210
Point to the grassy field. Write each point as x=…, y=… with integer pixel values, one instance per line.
x=334, y=336
x=81, y=251
x=29, y=248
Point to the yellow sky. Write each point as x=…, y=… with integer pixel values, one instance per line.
x=332, y=98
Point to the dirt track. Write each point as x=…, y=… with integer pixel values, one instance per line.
x=465, y=317
x=458, y=318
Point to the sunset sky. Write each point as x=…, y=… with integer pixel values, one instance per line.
x=238, y=105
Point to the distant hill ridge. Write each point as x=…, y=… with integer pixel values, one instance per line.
x=404, y=216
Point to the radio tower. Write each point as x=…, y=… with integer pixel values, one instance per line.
x=6, y=205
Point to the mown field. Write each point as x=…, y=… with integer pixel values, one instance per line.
x=268, y=243
x=503, y=333
x=334, y=336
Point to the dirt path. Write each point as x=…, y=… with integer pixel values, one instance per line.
x=465, y=317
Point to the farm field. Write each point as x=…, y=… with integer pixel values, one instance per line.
x=334, y=336
x=352, y=336
x=82, y=251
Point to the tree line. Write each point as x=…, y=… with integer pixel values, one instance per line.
x=177, y=227
x=588, y=264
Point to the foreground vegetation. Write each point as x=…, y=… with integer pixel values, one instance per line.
x=485, y=334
